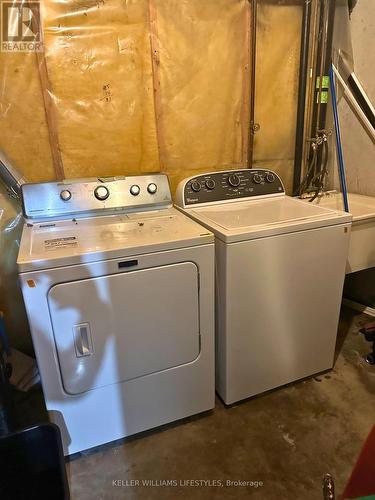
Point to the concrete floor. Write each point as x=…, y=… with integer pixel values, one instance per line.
x=286, y=439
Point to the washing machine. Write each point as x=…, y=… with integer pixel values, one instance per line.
x=280, y=267
x=119, y=292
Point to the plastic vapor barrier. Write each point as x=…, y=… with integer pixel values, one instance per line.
x=276, y=90
x=203, y=58
x=129, y=87
x=11, y=302
x=23, y=125
x=99, y=70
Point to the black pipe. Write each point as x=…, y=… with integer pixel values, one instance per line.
x=323, y=61
x=318, y=69
x=302, y=81
x=327, y=61
x=327, y=57
x=316, y=92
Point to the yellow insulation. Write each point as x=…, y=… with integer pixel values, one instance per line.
x=23, y=129
x=148, y=85
x=278, y=52
x=202, y=52
x=99, y=64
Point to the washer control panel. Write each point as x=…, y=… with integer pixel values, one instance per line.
x=74, y=198
x=228, y=185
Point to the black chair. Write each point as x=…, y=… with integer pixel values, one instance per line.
x=32, y=465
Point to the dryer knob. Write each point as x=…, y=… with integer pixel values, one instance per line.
x=135, y=190
x=210, y=184
x=257, y=178
x=101, y=193
x=270, y=177
x=152, y=188
x=65, y=195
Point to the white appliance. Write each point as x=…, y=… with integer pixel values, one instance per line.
x=119, y=291
x=280, y=267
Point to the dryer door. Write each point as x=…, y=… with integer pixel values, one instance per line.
x=115, y=328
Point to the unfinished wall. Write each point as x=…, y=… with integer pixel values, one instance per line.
x=278, y=52
x=202, y=69
x=23, y=128
x=359, y=150
x=99, y=66
x=130, y=87
x=149, y=85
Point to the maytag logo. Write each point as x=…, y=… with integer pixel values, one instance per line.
x=21, y=29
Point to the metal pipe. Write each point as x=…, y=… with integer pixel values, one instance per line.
x=327, y=54
x=340, y=156
x=300, y=122
x=318, y=68
x=324, y=58
x=316, y=93
x=323, y=48
x=310, y=98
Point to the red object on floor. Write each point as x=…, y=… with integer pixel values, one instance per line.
x=362, y=480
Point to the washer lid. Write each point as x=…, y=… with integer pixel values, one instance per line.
x=69, y=242
x=258, y=218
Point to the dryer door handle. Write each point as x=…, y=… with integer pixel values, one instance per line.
x=82, y=340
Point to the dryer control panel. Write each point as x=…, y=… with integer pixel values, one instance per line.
x=227, y=186
x=95, y=196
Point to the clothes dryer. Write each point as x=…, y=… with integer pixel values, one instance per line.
x=119, y=291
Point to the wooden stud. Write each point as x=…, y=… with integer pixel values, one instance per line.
x=155, y=60
x=49, y=106
x=253, y=126
x=246, y=86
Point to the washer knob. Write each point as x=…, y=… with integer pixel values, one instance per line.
x=65, y=195
x=135, y=190
x=234, y=180
x=210, y=184
x=101, y=193
x=270, y=177
x=152, y=188
x=196, y=186
x=257, y=178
